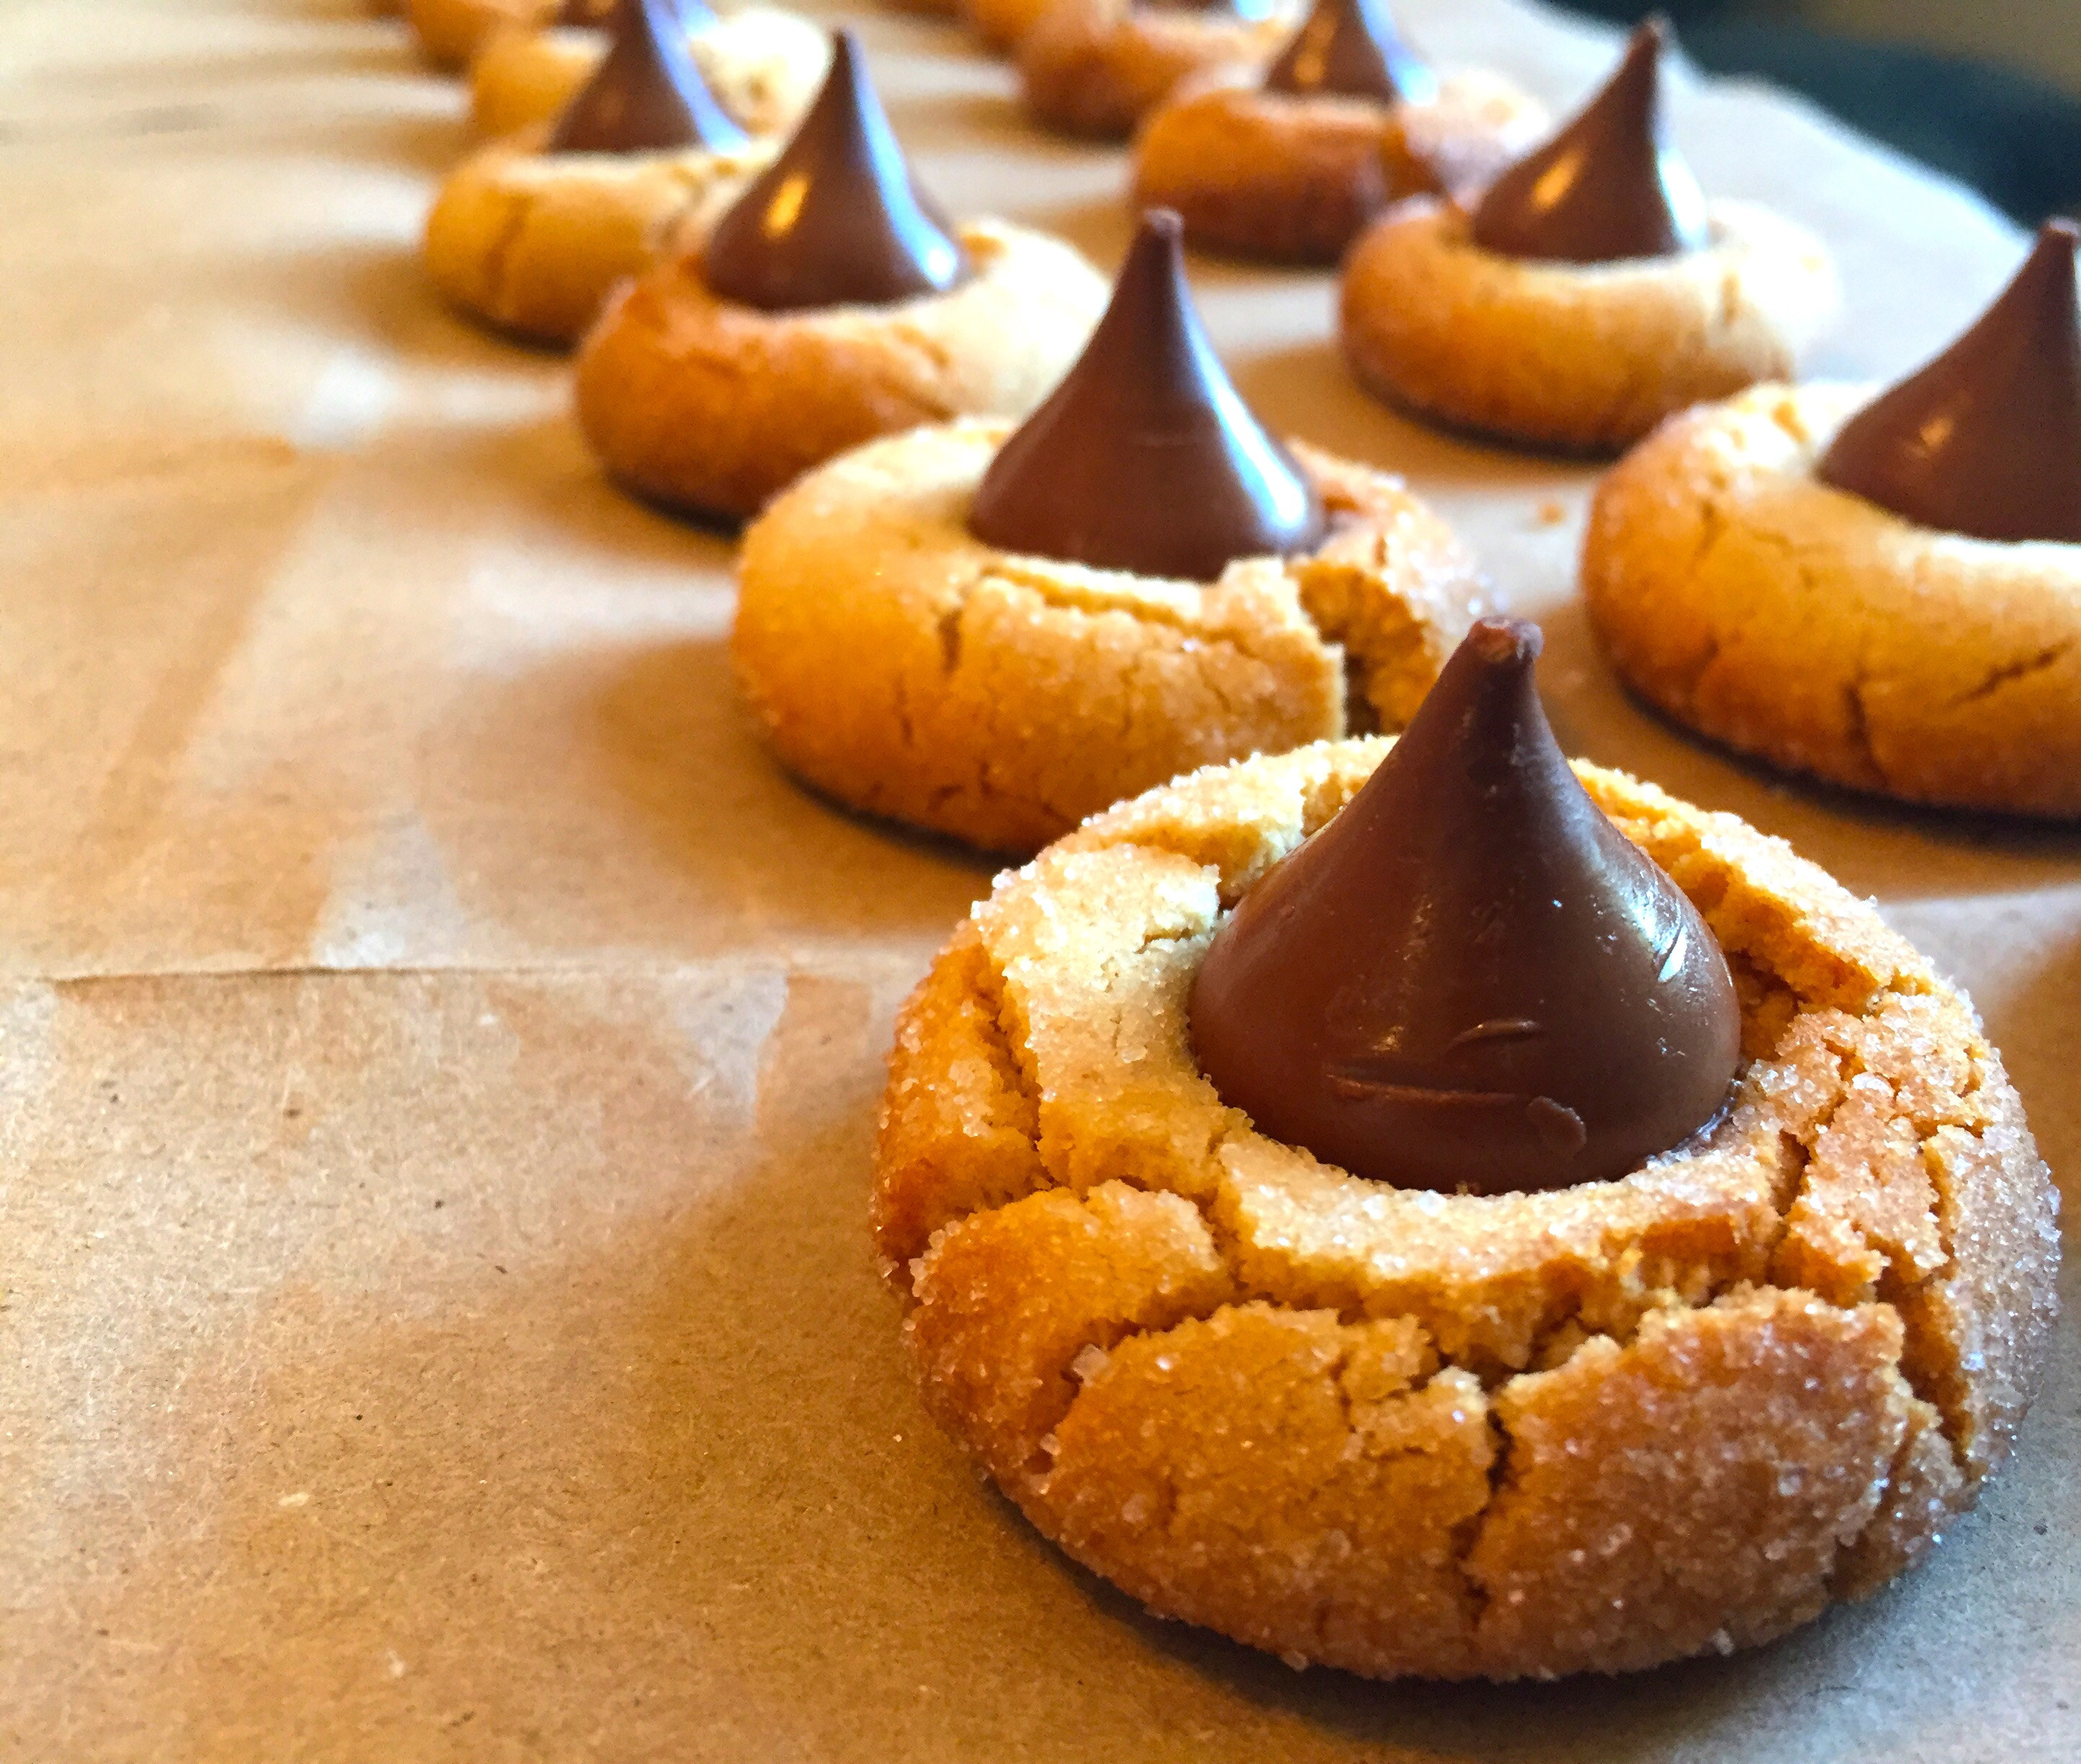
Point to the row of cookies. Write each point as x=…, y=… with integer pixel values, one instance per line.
x=1587, y=292
x=959, y=668
x=1406, y=1207
x=1271, y=1171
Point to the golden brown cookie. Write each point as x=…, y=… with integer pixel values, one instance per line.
x=763, y=64
x=450, y=31
x=1295, y=179
x=711, y=406
x=1406, y=1432
x=910, y=669
x=1096, y=67
x=1813, y=628
x=532, y=241
x=1581, y=357
x=1001, y=24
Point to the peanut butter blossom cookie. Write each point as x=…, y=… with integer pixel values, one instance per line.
x=530, y=234
x=1588, y=292
x=1884, y=592
x=832, y=303
x=1346, y=120
x=1097, y=67
x=763, y=64
x=994, y=633
x=1429, y=1209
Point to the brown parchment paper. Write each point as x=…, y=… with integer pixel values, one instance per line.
x=438, y=1050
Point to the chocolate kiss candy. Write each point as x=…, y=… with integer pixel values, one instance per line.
x=645, y=96
x=1609, y=186
x=1350, y=48
x=1986, y=439
x=1145, y=457
x=835, y=220
x=1470, y=979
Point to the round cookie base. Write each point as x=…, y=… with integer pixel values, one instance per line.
x=1096, y=67
x=1812, y=629
x=532, y=243
x=1458, y=1436
x=1265, y=174
x=1578, y=358
x=706, y=405
x=901, y=665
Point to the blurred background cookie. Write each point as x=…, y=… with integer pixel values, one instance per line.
x=450, y=32
x=530, y=233
x=763, y=66
x=1096, y=67
x=1346, y=120
x=832, y=303
x=1001, y=24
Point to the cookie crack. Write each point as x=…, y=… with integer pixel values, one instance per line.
x=949, y=629
x=2012, y=672
x=1467, y=1533
x=1894, y=1288
x=1843, y=1561
x=1379, y=634
x=499, y=260
x=1857, y=728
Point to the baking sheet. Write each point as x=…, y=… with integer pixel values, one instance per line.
x=440, y=1050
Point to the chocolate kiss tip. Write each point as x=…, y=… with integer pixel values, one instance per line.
x=1607, y=187
x=1985, y=440
x=1351, y=49
x=646, y=95
x=1470, y=979
x=837, y=220
x=1502, y=640
x=1144, y=457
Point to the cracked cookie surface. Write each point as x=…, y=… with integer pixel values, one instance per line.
x=763, y=64
x=532, y=241
x=713, y=406
x=1582, y=357
x=1799, y=623
x=912, y=670
x=1295, y=179
x=1404, y=1432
